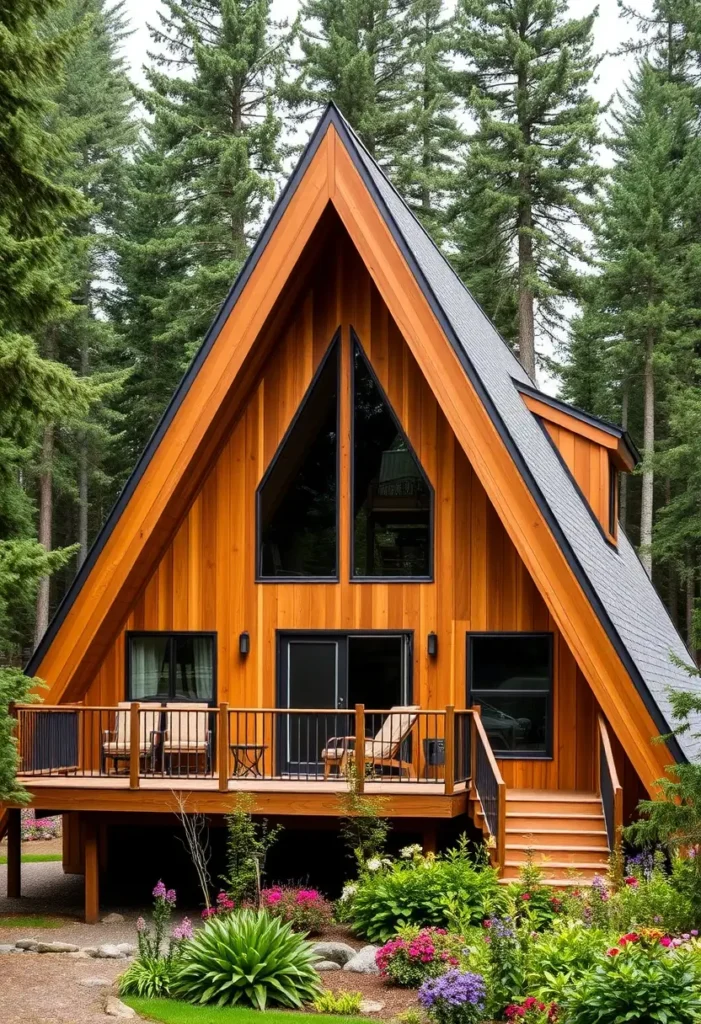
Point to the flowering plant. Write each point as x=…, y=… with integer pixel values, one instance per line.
x=531, y=1011
x=430, y=952
x=457, y=997
x=34, y=828
x=223, y=905
x=152, y=972
x=305, y=909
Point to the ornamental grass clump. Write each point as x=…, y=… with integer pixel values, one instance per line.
x=248, y=957
x=456, y=997
x=409, y=960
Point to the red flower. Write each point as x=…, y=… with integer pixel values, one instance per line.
x=632, y=881
x=525, y=896
x=613, y=951
x=487, y=923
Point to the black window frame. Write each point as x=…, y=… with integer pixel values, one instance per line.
x=334, y=345
x=171, y=635
x=359, y=578
x=518, y=755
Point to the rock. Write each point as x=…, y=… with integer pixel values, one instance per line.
x=339, y=952
x=27, y=944
x=371, y=1006
x=327, y=965
x=90, y=950
x=56, y=947
x=8, y=949
x=126, y=948
x=109, y=952
x=95, y=982
x=116, y=1008
x=80, y=955
x=113, y=919
x=363, y=962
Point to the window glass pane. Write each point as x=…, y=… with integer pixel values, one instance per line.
x=515, y=723
x=297, y=500
x=510, y=662
x=149, y=667
x=194, y=668
x=391, y=496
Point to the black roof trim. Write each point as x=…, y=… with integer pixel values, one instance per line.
x=353, y=144
x=180, y=392
x=581, y=414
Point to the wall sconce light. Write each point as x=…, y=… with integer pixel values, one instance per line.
x=244, y=644
x=432, y=645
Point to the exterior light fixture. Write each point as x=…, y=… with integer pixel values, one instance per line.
x=432, y=645
x=244, y=644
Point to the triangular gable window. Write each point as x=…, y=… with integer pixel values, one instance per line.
x=298, y=496
x=392, y=497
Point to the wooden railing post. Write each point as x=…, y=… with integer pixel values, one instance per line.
x=449, y=768
x=223, y=747
x=475, y=710
x=501, y=827
x=360, y=747
x=134, y=745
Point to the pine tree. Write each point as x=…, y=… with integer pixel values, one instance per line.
x=37, y=214
x=221, y=135
x=531, y=169
x=425, y=173
x=356, y=53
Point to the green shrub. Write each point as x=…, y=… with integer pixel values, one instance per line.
x=344, y=1003
x=650, y=898
x=150, y=977
x=247, y=957
x=645, y=985
x=425, y=892
x=557, y=959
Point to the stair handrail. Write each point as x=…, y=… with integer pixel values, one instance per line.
x=494, y=810
x=610, y=788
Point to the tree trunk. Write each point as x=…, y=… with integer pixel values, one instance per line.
x=646, y=505
x=623, y=485
x=45, y=523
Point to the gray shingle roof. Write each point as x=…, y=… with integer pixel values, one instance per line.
x=626, y=600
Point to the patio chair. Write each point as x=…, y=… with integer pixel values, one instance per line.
x=116, y=743
x=383, y=751
x=187, y=734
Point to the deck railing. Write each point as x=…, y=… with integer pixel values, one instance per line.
x=609, y=786
x=489, y=786
x=196, y=741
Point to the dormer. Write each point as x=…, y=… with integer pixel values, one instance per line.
x=594, y=451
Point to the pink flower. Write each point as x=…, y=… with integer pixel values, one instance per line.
x=666, y=941
x=140, y=924
x=632, y=881
x=171, y=897
x=183, y=930
x=159, y=890
x=525, y=896
x=208, y=912
x=613, y=951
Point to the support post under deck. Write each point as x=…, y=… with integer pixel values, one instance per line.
x=92, y=872
x=14, y=854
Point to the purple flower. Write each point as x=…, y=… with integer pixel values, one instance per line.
x=454, y=988
x=171, y=897
x=694, y=932
x=159, y=890
x=183, y=930
x=140, y=924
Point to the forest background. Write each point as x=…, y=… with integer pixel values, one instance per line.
x=130, y=196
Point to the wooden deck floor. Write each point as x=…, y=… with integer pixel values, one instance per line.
x=273, y=796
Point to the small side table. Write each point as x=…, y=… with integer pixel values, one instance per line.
x=247, y=759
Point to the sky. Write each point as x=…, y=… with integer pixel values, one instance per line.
x=610, y=32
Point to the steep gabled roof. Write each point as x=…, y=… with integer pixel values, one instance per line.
x=614, y=582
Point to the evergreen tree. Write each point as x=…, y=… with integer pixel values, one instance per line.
x=356, y=53
x=37, y=213
x=220, y=134
x=425, y=171
x=531, y=170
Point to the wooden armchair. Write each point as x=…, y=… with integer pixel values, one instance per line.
x=116, y=743
x=187, y=735
x=381, y=751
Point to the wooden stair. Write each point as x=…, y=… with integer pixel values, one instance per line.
x=564, y=831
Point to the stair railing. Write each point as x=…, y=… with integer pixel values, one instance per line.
x=490, y=788
x=609, y=787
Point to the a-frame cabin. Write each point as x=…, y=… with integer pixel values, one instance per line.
x=359, y=535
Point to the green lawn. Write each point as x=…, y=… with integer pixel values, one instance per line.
x=27, y=921
x=34, y=858
x=171, y=1011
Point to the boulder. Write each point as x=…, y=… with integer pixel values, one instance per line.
x=90, y=950
x=371, y=1006
x=363, y=962
x=56, y=947
x=327, y=965
x=113, y=919
x=27, y=944
x=126, y=948
x=109, y=952
x=116, y=1008
x=339, y=952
